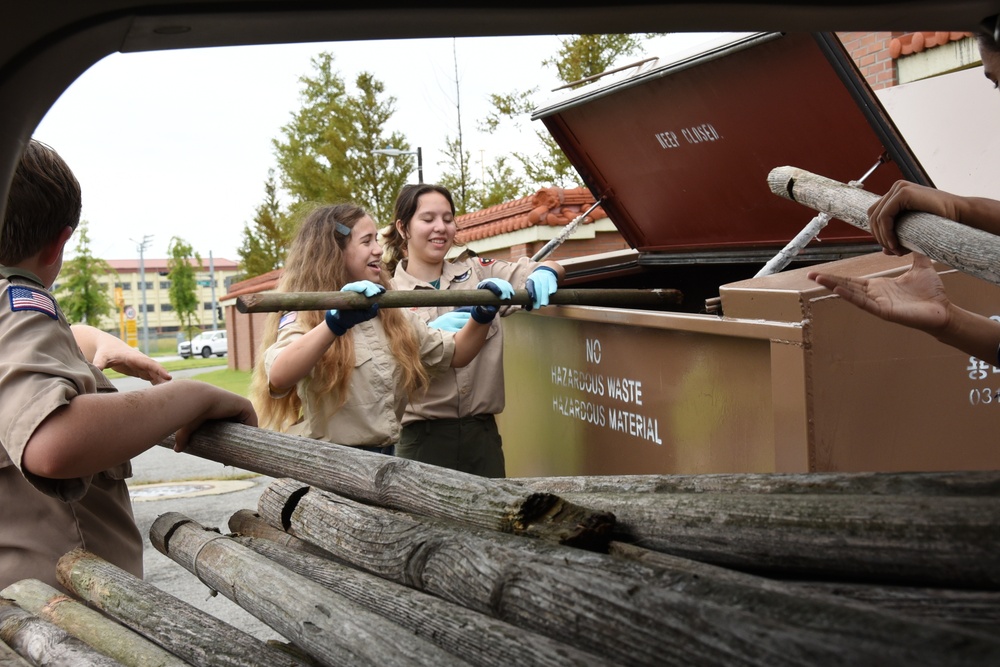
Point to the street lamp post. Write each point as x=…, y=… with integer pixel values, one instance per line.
x=395, y=152
x=141, y=247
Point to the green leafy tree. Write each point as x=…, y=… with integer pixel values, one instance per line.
x=325, y=152
x=81, y=295
x=183, y=294
x=266, y=240
x=580, y=57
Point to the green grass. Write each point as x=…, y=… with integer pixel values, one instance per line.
x=237, y=382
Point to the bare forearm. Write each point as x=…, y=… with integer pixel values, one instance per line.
x=95, y=432
x=980, y=213
x=469, y=340
x=972, y=333
x=89, y=339
x=295, y=361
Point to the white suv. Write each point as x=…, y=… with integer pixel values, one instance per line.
x=206, y=344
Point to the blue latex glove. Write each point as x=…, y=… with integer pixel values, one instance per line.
x=500, y=287
x=541, y=284
x=340, y=321
x=452, y=321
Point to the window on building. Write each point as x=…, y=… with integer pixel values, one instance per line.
x=207, y=305
x=166, y=306
x=124, y=285
x=149, y=284
x=164, y=284
x=150, y=307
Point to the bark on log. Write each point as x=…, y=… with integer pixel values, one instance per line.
x=949, y=541
x=42, y=643
x=249, y=524
x=96, y=630
x=402, y=484
x=965, y=248
x=10, y=658
x=973, y=483
x=187, y=632
x=477, y=638
x=624, y=611
x=978, y=611
x=266, y=302
x=329, y=627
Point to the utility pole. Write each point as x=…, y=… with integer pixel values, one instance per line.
x=211, y=278
x=141, y=247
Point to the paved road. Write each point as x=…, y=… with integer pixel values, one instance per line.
x=183, y=475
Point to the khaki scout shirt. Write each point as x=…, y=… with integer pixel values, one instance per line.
x=375, y=396
x=42, y=369
x=478, y=388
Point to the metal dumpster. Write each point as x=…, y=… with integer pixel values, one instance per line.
x=786, y=378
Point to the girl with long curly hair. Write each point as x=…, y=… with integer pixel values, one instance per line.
x=345, y=376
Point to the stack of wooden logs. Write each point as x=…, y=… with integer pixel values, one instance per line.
x=358, y=559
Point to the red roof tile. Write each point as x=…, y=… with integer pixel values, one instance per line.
x=549, y=206
x=915, y=42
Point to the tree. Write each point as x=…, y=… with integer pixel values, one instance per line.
x=325, y=153
x=580, y=57
x=82, y=297
x=183, y=285
x=266, y=242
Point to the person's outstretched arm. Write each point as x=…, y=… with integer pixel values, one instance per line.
x=917, y=299
x=95, y=432
x=903, y=196
x=106, y=351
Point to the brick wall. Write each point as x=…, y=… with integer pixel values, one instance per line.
x=870, y=50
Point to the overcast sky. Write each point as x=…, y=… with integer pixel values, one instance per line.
x=178, y=143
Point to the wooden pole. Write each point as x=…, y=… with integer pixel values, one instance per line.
x=977, y=611
x=965, y=248
x=401, y=484
x=620, y=610
x=950, y=541
x=10, y=658
x=972, y=483
x=470, y=635
x=249, y=524
x=97, y=630
x=43, y=643
x=186, y=631
x=329, y=627
x=265, y=302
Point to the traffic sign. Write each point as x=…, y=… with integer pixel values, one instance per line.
x=130, y=312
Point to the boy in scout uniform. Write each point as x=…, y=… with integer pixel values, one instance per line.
x=67, y=435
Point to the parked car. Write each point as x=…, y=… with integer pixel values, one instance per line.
x=205, y=344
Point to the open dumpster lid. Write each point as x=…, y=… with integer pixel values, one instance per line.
x=680, y=152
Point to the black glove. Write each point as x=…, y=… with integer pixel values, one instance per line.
x=500, y=287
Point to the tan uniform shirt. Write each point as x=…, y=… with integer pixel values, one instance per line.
x=477, y=388
x=375, y=397
x=42, y=369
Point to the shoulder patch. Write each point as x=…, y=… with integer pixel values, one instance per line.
x=485, y=261
x=287, y=319
x=26, y=298
x=462, y=278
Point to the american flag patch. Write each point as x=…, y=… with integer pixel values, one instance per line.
x=287, y=319
x=25, y=298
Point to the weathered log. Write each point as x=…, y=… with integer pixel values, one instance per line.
x=398, y=483
x=329, y=627
x=975, y=610
x=950, y=541
x=965, y=248
x=624, y=611
x=249, y=524
x=972, y=483
x=978, y=611
x=264, y=302
x=43, y=643
x=186, y=631
x=10, y=658
x=95, y=629
x=477, y=638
